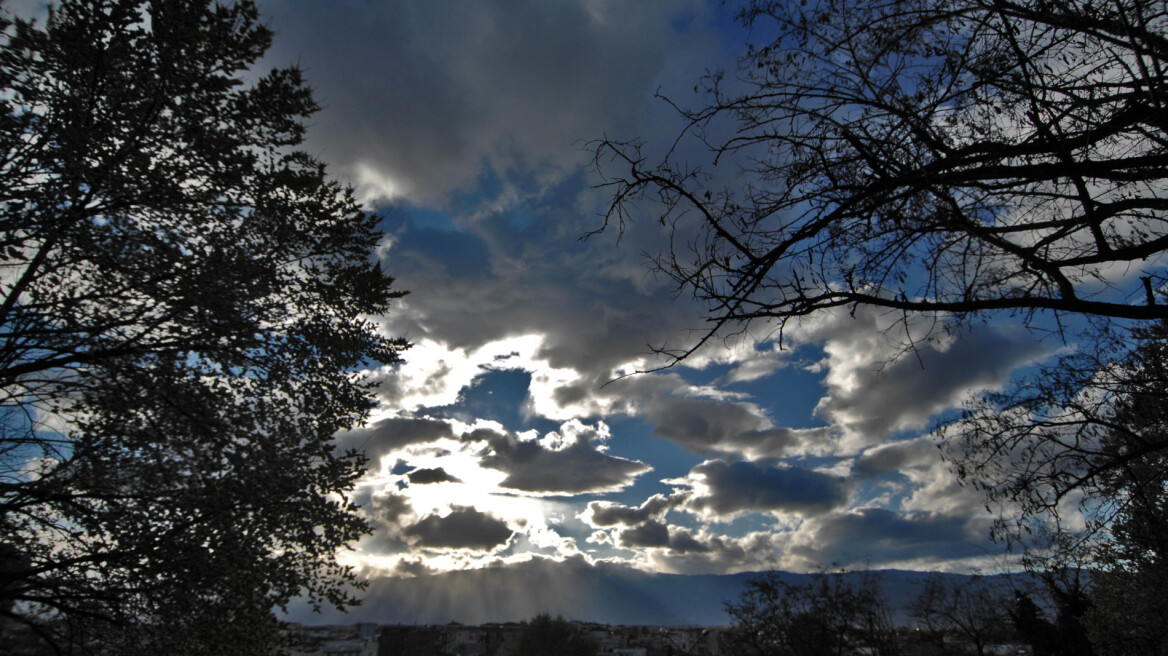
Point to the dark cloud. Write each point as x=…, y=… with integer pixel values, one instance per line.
x=883, y=536
x=706, y=426
x=649, y=534
x=427, y=476
x=711, y=553
x=576, y=468
x=389, y=435
x=608, y=513
x=702, y=425
x=680, y=541
x=463, y=528
x=389, y=508
x=407, y=568
x=422, y=94
x=589, y=322
x=749, y=486
x=654, y=534
x=387, y=513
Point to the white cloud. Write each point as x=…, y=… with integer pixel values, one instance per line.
x=432, y=373
x=883, y=377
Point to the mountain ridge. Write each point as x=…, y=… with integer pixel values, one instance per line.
x=601, y=593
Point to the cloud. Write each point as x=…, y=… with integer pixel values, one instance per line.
x=463, y=528
x=607, y=513
x=726, y=489
x=710, y=426
x=388, y=435
x=567, y=462
x=389, y=508
x=922, y=476
x=555, y=318
x=429, y=476
x=387, y=513
x=918, y=453
x=876, y=388
x=721, y=554
x=418, y=96
x=433, y=373
x=654, y=534
x=886, y=538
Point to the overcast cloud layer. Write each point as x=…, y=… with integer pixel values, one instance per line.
x=498, y=441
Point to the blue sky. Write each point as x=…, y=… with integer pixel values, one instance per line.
x=497, y=442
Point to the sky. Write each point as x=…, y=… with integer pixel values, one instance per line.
x=507, y=437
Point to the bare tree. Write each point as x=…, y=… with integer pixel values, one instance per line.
x=1086, y=437
x=836, y=613
x=960, y=617
x=949, y=157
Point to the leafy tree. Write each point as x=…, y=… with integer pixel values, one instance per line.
x=946, y=157
x=1037, y=631
x=183, y=307
x=836, y=613
x=544, y=634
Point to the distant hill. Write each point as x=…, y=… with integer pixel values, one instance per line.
x=602, y=593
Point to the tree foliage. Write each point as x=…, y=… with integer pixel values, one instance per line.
x=948, y=157
x=183, y=305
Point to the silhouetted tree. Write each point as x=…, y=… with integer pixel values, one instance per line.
x=833, y=613
x=942, y=160
x=1066, y=590
x=544, y=634
x=183, y=310
x=1032, y=625
x=1130, y=577
x=1088, y=436
x=960, y=617
x=946, y=157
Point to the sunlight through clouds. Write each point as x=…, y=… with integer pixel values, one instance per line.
x=516, y=417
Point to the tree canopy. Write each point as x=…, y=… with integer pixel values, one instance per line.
x=185, y=305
